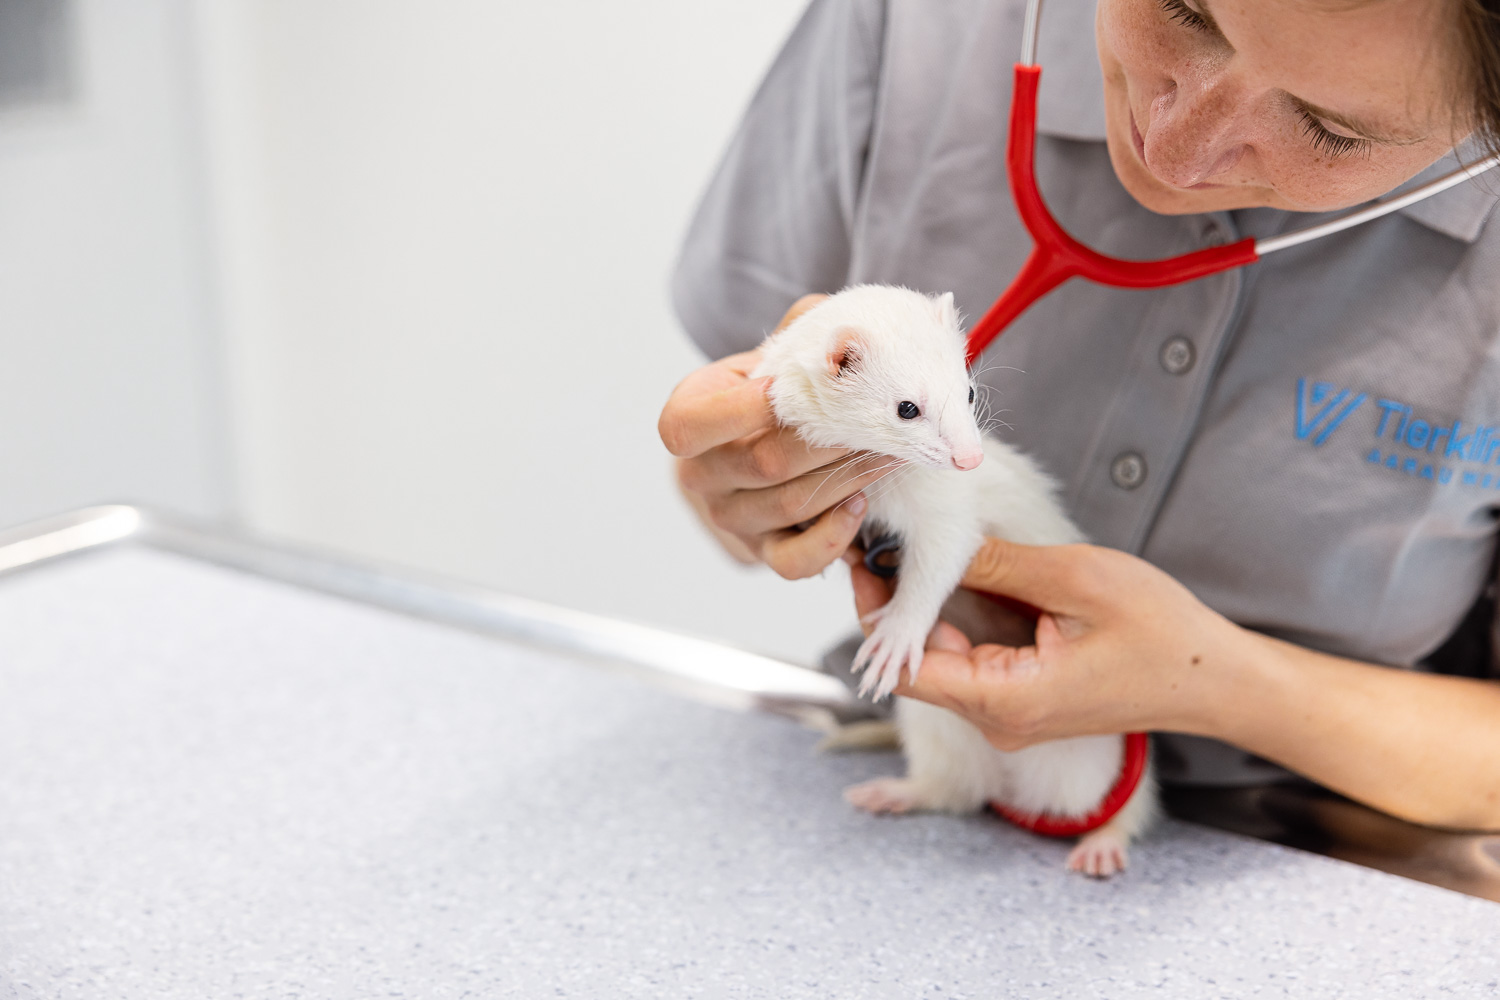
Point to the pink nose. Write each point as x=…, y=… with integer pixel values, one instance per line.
x=968, y=460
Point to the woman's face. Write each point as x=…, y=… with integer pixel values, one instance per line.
x=1306, y=105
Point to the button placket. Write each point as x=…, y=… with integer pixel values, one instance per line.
x=1158, y=402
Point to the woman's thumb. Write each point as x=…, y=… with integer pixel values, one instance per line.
x=1039, y=575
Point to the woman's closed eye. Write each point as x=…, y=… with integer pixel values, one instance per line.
x=1325, y=140
x=1180, y=12
x=1314, y=129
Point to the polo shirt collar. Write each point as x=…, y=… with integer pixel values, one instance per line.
x=1460, y=211
x=1070, y=105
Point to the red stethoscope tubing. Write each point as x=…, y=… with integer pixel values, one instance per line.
x=1056, y=256
x=1132, y=769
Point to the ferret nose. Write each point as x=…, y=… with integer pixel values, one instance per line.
x=967, y=460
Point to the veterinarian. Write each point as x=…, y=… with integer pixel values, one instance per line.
x=1291, y=470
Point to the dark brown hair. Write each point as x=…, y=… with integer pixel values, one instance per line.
x=1479, y=32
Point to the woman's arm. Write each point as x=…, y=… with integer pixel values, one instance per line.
x=1423, y=747
x=1120, y=646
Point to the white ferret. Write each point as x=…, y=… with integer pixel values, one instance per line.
x=883, y=370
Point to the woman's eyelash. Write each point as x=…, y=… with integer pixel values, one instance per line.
x=1183, y=14
x=1332, y=143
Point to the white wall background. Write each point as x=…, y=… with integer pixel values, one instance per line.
x=110, y=376
x=443, y=232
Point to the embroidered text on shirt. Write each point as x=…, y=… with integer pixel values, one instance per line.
x=1404, y=442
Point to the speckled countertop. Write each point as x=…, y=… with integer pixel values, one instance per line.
x=216, y=786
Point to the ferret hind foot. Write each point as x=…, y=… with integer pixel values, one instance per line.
x=887, y=795
x=889, y=648
x=1099, y=854
x=864, y=735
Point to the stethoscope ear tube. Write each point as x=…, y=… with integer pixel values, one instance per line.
x=1384, y=207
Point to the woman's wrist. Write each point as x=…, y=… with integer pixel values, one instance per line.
x=1234, y=681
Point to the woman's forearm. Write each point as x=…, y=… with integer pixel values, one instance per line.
x=1419, y=746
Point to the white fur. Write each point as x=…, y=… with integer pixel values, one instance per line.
x=908, y=347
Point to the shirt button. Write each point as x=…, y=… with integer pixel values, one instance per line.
x=1177, y=355
x=1128, y=470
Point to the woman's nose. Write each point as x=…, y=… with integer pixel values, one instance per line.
x=1193, y=135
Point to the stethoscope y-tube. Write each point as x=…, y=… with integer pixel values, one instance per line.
x=1057, y=256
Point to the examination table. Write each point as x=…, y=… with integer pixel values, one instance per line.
x=233, y=770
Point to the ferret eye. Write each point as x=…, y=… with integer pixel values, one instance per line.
x=971, y=395
x=908, y=410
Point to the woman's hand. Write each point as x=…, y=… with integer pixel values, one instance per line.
x=760, y=489
x=1119, y=647
x=1122, y=647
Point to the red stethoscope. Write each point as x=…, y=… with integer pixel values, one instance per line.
x=1056, y=257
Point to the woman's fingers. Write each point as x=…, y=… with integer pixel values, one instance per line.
x=720, y=425
x=993, y=687
x=714, y=405
x=946, y=638
x=719, y=403
x=696, y=421
x=753, y=513
x=799, y=307
x=796, y=555
x=768, y=458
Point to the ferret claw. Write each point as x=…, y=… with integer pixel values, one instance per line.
x=889, y=648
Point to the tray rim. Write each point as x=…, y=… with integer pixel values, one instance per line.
x=701, y=669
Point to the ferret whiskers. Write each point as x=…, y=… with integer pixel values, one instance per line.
x=838, y=467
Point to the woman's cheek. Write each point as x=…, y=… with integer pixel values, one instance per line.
x=1308, y=180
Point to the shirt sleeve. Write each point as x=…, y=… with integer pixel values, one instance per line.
x=776, y=220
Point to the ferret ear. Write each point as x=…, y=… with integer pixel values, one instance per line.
x=946, y=310
x=847, y=353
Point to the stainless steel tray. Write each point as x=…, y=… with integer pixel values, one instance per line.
x=702, y=669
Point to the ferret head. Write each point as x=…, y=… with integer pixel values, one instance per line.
x=878, y=369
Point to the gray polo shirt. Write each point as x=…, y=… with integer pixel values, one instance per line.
x=1310, y=444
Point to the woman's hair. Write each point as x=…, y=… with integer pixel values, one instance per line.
x=1479, y=31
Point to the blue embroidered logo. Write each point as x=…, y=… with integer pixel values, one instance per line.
x=1403, y=442
x=1320, y=409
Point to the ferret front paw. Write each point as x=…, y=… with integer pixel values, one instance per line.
x=886, y=795
x=894, y=644
x=1100, y=854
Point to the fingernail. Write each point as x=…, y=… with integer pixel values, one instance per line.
x=856, y=506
